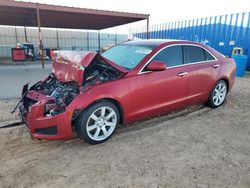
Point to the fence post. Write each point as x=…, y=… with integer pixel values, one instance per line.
x=148, y=28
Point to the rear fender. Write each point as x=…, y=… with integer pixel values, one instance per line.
x=228, y=71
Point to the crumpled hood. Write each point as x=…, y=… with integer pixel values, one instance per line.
x=70, y=65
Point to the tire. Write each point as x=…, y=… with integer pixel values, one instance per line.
x=98, y=123
x=218, y=95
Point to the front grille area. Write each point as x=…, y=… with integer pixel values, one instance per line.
x=47, y=131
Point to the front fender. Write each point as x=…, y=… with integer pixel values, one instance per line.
x=85, y=99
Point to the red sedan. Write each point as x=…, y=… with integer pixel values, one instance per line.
x=132, y=81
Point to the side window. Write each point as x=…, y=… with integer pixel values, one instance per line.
x=194, y=54
x=172, y=56
x=209, y=57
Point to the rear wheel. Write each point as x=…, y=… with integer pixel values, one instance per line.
x=218, y=95
x=98, y=123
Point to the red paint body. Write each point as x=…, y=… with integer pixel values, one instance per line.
x=139, y=95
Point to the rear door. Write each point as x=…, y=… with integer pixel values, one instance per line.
x=203, y=69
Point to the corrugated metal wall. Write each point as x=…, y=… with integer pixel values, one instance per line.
x=65, y=39
x=220, y=32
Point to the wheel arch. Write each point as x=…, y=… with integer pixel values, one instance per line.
x=211, y=104
x=225, y=80
x=114, y=101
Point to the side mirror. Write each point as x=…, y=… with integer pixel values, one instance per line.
x=156, y=66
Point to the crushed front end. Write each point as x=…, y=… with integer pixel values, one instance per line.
x=44, y=110
x=44, y=107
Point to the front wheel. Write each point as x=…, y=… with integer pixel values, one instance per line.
x=98, y=123
x=218, y=95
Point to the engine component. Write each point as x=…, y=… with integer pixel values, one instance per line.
x=99, y=71
x=60, y=94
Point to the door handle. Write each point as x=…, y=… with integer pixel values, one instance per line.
x=182, y=74
x=216, y=66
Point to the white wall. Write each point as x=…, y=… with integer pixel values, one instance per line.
x=67, y=39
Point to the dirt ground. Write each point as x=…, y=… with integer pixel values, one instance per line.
x=196, y=147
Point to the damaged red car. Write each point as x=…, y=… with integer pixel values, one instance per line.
x=91, y=93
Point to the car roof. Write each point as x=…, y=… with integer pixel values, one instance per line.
x=150, y=42
x=159, y=42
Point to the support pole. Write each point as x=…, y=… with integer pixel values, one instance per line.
x=57, y=40
x=116, y=36
x=148, y=28
x=99, y=41
x=25, y=34
x=88, y=40
x=16, y=35
x=40, y=36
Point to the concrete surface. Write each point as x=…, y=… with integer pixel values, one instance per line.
x=12, y=78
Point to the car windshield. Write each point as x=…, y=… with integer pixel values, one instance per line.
x=127, y=55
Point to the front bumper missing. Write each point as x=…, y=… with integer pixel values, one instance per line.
x=47, y=127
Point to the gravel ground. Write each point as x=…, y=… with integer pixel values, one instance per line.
x=6, y=106
x=196, y=147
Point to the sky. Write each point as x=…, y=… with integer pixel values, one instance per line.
x=160, y=11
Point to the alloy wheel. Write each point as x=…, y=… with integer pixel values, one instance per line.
x=219, y=94
x=101, y=123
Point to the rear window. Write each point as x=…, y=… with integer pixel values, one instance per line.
x=209, y=57
x=196, y=54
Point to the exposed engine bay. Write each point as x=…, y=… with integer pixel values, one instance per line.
x=50, y=107
x=99, y=71
x=58, y=95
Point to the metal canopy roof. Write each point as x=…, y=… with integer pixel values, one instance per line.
x=18, y=13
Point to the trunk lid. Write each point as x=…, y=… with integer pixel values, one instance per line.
x=70, y=65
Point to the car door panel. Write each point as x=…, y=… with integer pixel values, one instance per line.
x=159, y=92
x=201, y=78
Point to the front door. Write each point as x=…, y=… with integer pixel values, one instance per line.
x=161, y=91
